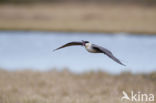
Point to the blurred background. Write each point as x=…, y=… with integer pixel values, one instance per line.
x=31, y=29
x=32, y=73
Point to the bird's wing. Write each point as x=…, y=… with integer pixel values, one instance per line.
x=69, y=44
x=107, y=52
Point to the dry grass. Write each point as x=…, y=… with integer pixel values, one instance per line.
x=66, y=87
x=79, y=17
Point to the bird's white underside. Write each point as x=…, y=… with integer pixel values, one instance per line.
x=89, y=48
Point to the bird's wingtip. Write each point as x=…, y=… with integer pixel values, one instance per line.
x=54, y=50
x=123, y=64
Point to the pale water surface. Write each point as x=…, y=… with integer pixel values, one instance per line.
x=33, y=50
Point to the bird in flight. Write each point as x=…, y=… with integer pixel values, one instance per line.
x=92, y=48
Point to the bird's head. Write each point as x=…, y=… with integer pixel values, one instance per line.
x=84, y=42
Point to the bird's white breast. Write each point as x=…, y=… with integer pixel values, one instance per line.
x=89, y=48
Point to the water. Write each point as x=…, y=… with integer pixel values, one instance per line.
x=33, y=50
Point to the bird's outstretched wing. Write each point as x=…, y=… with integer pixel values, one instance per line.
x=107, y=52
x=69, y=44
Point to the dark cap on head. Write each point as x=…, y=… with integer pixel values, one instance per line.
x=84, y=42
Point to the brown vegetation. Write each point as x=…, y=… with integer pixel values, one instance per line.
x=79, y=17
x=66, y=87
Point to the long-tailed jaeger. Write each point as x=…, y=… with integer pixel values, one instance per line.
x=92, y=48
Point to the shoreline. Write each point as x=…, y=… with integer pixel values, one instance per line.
x=87, y=32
